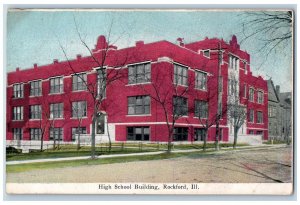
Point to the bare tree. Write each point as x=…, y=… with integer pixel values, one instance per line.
x=45, y=120
x=272, y=28
x=172, y=98
x=202, y=110
x=105, y=75
x=78, y=113
x=237, y=112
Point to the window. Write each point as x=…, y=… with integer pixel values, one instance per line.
x=35, y=112
x=199, y=134
x=180, y=75
x=138, y=105
x=79, y=109
x=18, y=113
x=139, y=73
x=56, y=134
x=206, y=53
x=232, y=87
x=259, y=117
x=251, y=132
x=76, y=131
x=35, y=134
x=79, y=81
x=36, y=88
x=259, y=132
x=272, y=111
x=201, y=109
x=245, y=90
x=220, y=110
x=56, y=110
x=17, y=133
x=180, y=106
x=18, y=90
x=180, y=134
x=260, y=97
x=100, y=129
x=201, y=80
x=56, y=85
x=245, y=66
x=251, y=94
x=220, y=84
x=233, y=62
x=138, y=133
x=101, y=83
x=251, y=115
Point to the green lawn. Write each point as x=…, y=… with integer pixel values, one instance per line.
x=87, y=162
x=275, y=142
x=66, y=151
x=102, y=149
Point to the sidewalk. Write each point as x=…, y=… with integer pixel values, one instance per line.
x=142, y=154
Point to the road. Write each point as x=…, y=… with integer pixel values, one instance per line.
x=251, y=166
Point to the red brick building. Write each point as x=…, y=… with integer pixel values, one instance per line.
x=161, y=68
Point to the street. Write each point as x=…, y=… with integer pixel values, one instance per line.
x=247, y=166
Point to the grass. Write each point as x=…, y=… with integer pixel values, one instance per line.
x=69, y=152
x=102, y=149
x=275, y=142
x=89, y=162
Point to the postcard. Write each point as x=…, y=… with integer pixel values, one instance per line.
x=149, y=101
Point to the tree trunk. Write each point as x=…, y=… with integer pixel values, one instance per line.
x=93, y=136
x=205, y=140
x=108, y=135
x=217, y=147
x=78, y=141
x=42, y=143
x=235, y=133
x=54, y=143
x=170, y=141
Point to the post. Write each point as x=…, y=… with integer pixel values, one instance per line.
x=219, y=96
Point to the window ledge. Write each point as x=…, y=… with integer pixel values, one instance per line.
x=186, y=86
x=18, y=98
x=133, y=84
x=17, y=120
x=35, y=96
x=141, y=115
x=77, y=118
x=56, y=118
x=204, y=90
x=34, y=119
x=77, y=91
x=56, y=93
x=202, y=118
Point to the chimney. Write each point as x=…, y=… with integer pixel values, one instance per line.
x=180, y=41
x=35, y=66
x=55, y=61
x=139, y=43
x=277, y=89
x=17, y=69
x=101, y=43
x=78, y=56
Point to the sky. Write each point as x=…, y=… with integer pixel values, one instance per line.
x=34, y=36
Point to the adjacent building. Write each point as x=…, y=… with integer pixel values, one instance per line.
x=153, y=82
x=279, y=112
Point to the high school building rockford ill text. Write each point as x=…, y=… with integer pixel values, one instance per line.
x=51, y=100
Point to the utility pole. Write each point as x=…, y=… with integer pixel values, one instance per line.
x=219, y=97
